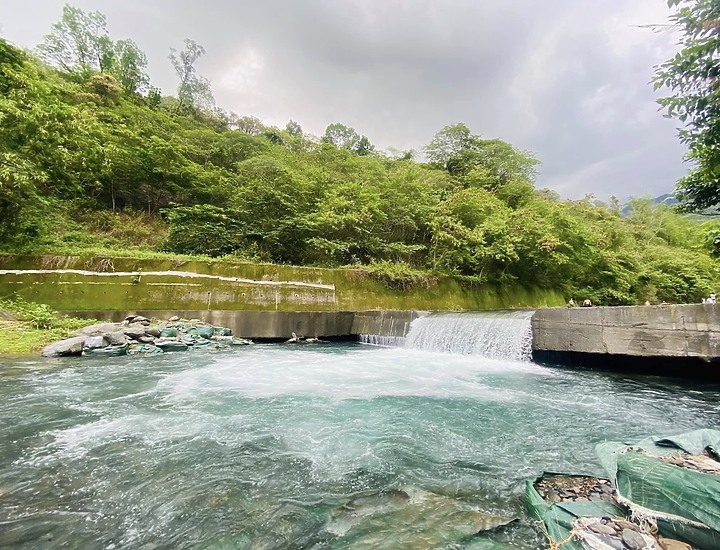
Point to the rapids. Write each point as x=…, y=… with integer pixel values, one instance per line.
x=319, y=446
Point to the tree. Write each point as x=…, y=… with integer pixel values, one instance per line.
x=448, y=143
x=129, y=64
x=343, y=137
x=692, y=75
x=79, y=41
x=193, y=90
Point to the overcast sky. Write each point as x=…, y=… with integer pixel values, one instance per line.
x=566, y=79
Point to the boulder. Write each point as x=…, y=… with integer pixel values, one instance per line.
x=153, y=331
x=116, y=338
x=69, y=346
x=141, y=320
x=134, y=331
x=95, y=342
x=146, y=339
x=174, y=318
x=98, y=329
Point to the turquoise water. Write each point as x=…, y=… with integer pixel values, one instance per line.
x=277, y=447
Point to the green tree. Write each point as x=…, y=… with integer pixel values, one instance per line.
x=79, y=41
x=343, y=137
x=193, y=90
x=692, y=76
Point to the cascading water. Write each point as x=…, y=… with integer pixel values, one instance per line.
x=493, y=334
x=386, y=341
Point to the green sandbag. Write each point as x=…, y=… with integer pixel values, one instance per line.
x=109, y=351
x=171, y=346
x=558, y=517
x=685, y=503
x=205, y=331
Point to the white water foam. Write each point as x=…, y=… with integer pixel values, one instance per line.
x=505, y=335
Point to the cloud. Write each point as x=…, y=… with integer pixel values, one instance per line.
x=567, y=79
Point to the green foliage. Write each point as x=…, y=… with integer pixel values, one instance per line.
x=32, y=326
x=203, y=229
x=399, y=275
x=691, y=75
x=87, y=166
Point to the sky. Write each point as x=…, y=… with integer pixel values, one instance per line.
x=568, y=80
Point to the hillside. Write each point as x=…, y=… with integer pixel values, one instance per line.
x=89, y=165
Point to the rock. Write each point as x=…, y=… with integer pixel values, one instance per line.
x=153, y=331
x=612, y=542
x=98, y=329
x=63, y=348
x=174, y=319
x=141, y=320
x=134, y=331
x=115, y=338
x=129, y=319
x=146, y=339
x=633, y=540
x=169, y=332
x=95, y=342
x=601, y=528
x=672, y=544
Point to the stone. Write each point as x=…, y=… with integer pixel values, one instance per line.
x=63, y=348
x=206, y=331
x=95, y=342
x=174, y=319
x=134, y=331
x=98, y=329
x=129, y=319
x=633, y=540
x=169, y=332
x=141, y=320
x=602, y=528
x=146, y=339
x=672, y=544
x=153, y=331
x=116, y=338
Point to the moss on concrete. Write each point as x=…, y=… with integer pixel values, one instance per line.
x=353, y=289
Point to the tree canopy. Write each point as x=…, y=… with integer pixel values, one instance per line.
x=692, y=77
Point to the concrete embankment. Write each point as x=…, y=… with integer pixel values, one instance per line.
x=91, y=283
x=674, y=339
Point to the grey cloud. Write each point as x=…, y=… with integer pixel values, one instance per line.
x=567, y=79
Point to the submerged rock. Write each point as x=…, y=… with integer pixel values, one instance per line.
x=381, y=520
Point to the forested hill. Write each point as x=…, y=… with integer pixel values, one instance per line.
x=93, y=159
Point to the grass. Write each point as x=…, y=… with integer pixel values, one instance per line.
x=29, y=327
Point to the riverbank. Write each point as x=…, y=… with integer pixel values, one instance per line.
x=27, y=328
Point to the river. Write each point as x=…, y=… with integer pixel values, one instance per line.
x=342, y=446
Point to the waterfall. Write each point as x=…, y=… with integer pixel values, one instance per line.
x=492, y=334
x=387, y=341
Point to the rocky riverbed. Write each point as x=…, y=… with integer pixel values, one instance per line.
x=140, y=335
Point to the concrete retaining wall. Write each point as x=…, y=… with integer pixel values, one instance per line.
x=675, y=339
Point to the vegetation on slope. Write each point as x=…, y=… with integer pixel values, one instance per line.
x=28, y=327
x=93, y=159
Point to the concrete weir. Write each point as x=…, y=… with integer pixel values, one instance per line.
x=665, y=339
x=681, y=340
